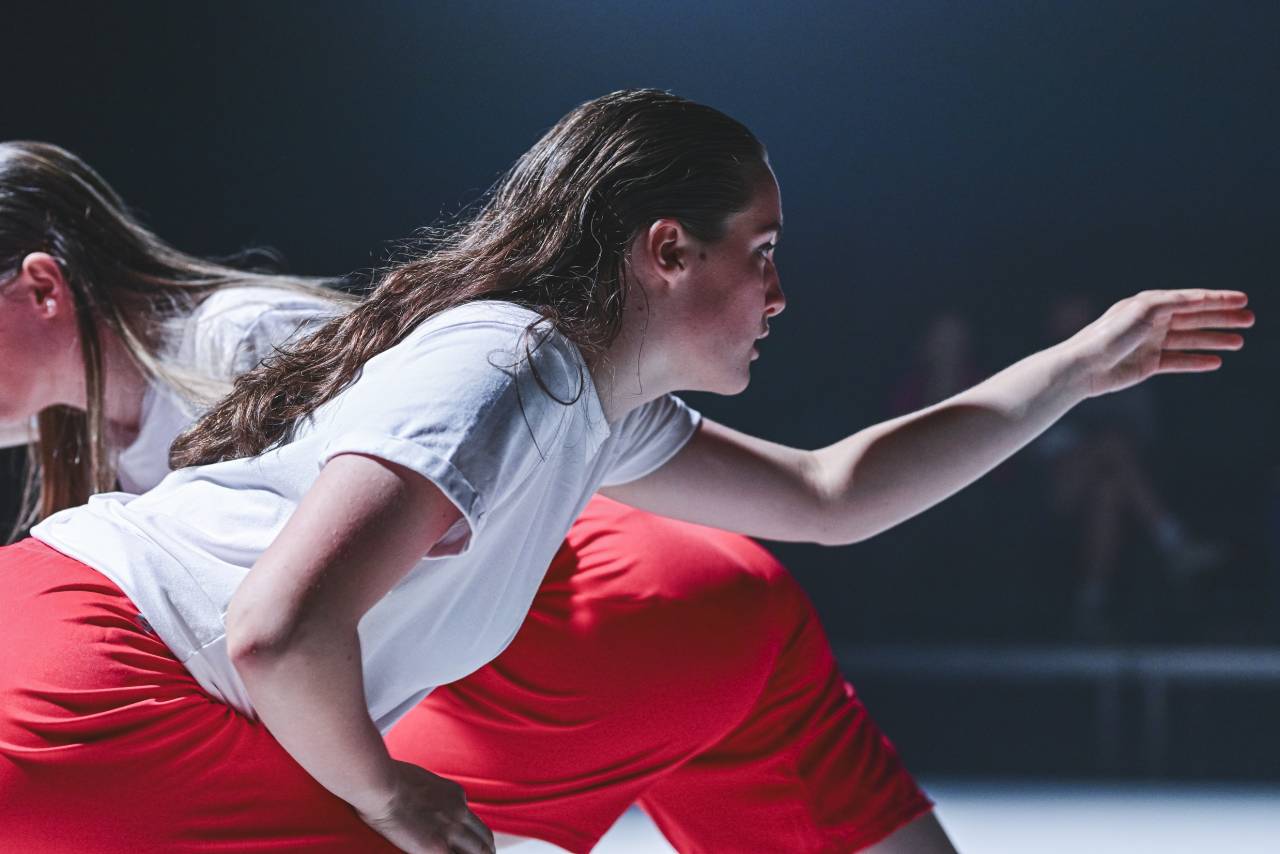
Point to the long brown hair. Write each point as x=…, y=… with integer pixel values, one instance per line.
x=124, y=281
x=551, y=235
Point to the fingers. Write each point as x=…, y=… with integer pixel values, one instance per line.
x=1199, y=340
x=1189, y=299
x=1172, y=362
x=463, y=839
x=1238, y=319
x=472, y=821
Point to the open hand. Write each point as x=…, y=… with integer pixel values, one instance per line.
x=428, y=814
x=1160, y=332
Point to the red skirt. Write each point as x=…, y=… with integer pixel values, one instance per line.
x=662, y=663
x=679, y=667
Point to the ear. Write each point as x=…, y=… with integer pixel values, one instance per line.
x=662, y=250
x=44, y=286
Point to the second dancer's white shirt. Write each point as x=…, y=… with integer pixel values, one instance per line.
x=230, y=332
x=455, y=401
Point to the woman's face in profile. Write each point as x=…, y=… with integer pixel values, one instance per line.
x=737, y=291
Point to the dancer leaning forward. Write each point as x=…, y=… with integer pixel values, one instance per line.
x=370, y=514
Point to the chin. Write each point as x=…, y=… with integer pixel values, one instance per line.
x=736, y=385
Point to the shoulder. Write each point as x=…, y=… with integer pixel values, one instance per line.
x=492, y=336
x=234, y=327
x=480, y=315
x=243, y=307
x=494, y=369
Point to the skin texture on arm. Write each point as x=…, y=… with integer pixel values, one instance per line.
x=291, y=633
x=883, y=475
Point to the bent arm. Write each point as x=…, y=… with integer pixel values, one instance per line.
x=887, y=473
x=291, y=625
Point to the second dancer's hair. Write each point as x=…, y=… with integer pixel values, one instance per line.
x=124, y=281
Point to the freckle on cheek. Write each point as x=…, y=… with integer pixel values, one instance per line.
x=702, y=255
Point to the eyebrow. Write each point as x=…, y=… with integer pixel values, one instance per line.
x=776, y=225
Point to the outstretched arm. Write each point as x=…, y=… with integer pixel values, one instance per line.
x=887, y=473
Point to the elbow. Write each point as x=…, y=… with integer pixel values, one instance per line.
x=850, y=519
x=834, y=524
x=832, y=521
x=253, y=637
x=246, y=651
x=852, y=505
x=843, y=518
x=837, y=535
x=247, y=647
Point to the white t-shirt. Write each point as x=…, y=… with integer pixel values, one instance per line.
x=453, y=402
x=229, y=332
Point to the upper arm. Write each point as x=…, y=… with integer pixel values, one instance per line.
x=358, y=530
x=737, y=482
x=435, y=432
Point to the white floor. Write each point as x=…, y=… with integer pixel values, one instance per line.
x=1055, y=818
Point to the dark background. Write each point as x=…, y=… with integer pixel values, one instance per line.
x=978, y=158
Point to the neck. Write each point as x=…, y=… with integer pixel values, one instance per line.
x=124, y=388
x=631, y=372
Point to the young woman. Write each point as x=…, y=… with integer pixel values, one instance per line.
x=628, y=254
x=725, y=633
x=92, y=299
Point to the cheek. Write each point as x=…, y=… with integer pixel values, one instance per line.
x=25, y=378
x=17, y=377
x=12, y=347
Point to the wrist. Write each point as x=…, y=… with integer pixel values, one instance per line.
x=377, y=797
x=1072, y=372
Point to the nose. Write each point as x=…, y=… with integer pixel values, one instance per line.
x=775, y=301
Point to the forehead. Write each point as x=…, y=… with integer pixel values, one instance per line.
x=763, y=214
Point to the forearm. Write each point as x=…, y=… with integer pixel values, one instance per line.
x=310, y=695
x=885, y=474
x=889, y=472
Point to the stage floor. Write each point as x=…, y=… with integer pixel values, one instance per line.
x=1058, y=818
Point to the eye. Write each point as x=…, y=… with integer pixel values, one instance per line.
x=767, y=249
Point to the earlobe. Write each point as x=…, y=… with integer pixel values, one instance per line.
x=47, y=285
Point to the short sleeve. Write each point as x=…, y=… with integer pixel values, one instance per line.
x=473, y=402
x=229, y=333
x=236, y=328
x=649, y=436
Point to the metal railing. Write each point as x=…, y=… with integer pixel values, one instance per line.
x=1151, y=670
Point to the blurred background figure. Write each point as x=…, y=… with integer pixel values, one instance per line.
x=944, y=365
x=949, y=573
x=1101, y=491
